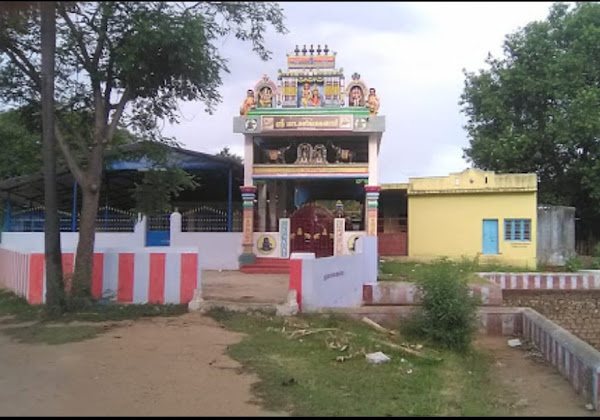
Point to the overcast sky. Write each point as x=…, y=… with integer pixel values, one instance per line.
x=412, y=53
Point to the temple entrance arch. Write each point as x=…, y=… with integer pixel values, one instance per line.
x=312, y=230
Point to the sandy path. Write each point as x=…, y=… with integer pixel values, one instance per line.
x=152, y=367
x=533, y=386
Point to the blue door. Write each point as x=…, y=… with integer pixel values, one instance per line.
x=490, y=236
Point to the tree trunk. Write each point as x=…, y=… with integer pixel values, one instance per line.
x=55, y=291
x=82, y=277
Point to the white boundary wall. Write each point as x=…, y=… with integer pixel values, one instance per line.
x=334, y=282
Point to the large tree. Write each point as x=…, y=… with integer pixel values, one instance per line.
x=55, y=290
x=126, y=63
x=537, y=109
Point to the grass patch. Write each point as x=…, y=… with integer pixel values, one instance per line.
x=409, y=270
x=122, y=312
x=15, y=310
x=44, y=333
x=300, y=374
x=18, y=308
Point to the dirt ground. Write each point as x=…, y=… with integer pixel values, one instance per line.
x=239, y=287
x=533, y=386
x=177, y=367
x=150, y=367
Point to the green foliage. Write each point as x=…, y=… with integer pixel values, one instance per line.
x=231, y=156
x=153, y=195
x=596, y=250
x=447, y=312
x=21, y=147
x=124, y=64
x=52, y=328
x=408, y=270
x=574, y=264
x=536, y=109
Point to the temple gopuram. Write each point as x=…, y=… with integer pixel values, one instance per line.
x=311, y=145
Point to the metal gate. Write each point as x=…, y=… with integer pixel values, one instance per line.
x=158, y=232
x=312, y=230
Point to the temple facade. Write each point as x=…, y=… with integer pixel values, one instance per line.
x=311, y=146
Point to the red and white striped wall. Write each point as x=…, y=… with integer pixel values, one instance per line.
x=167, y=276
x=544, y=281
x=397, y=293
x=14, y=271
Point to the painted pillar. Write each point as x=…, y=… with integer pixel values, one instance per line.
x=371, y=208
x=262, y=206
x=339, y=227
x=174, y=227
x=282, y=202
x=248, y=195
x=248, y=159
x=272, y=191
x=373, y=159
x=284, y=237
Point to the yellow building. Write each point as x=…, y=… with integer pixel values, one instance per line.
x=472, y=214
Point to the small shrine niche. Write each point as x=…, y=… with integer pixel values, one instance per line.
x=356, y=91
x=266, y=91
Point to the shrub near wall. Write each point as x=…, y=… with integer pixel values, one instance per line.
x=447, y=312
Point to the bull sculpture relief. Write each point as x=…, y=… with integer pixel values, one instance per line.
x=277, y=155
x=341, y=154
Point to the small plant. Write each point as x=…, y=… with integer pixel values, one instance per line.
x=447, y=313
x=596, y=250
x=574, y=264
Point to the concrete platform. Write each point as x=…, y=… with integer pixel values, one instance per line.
x=236, y=287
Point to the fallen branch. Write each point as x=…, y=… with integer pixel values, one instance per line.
x=378, y=327
x=303, y=333
x=408, y=350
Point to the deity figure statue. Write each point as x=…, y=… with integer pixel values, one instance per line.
x=305, y=94
x=372, y=102
x=319, y=154
x=248, y=104
x=304, y=153
x=265, y=97
x=315, y=99
x=356, y=96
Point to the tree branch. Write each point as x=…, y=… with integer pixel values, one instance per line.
x=101, y=38
x=71, y=162
x=79, y=37
x=117, y=115
x=19, y=59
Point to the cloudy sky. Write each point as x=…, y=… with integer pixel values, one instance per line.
x=412, y=53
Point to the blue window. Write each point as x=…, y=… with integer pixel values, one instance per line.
x=517, y=230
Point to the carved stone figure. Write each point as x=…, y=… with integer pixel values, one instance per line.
x=341, y=154
x=319, y=154
x=277, y=155
x=248, y=104
x=372, y=102
x=304, y=153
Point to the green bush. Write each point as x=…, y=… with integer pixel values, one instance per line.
x=596, y=250
x=447, y=313
x=574, y=264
